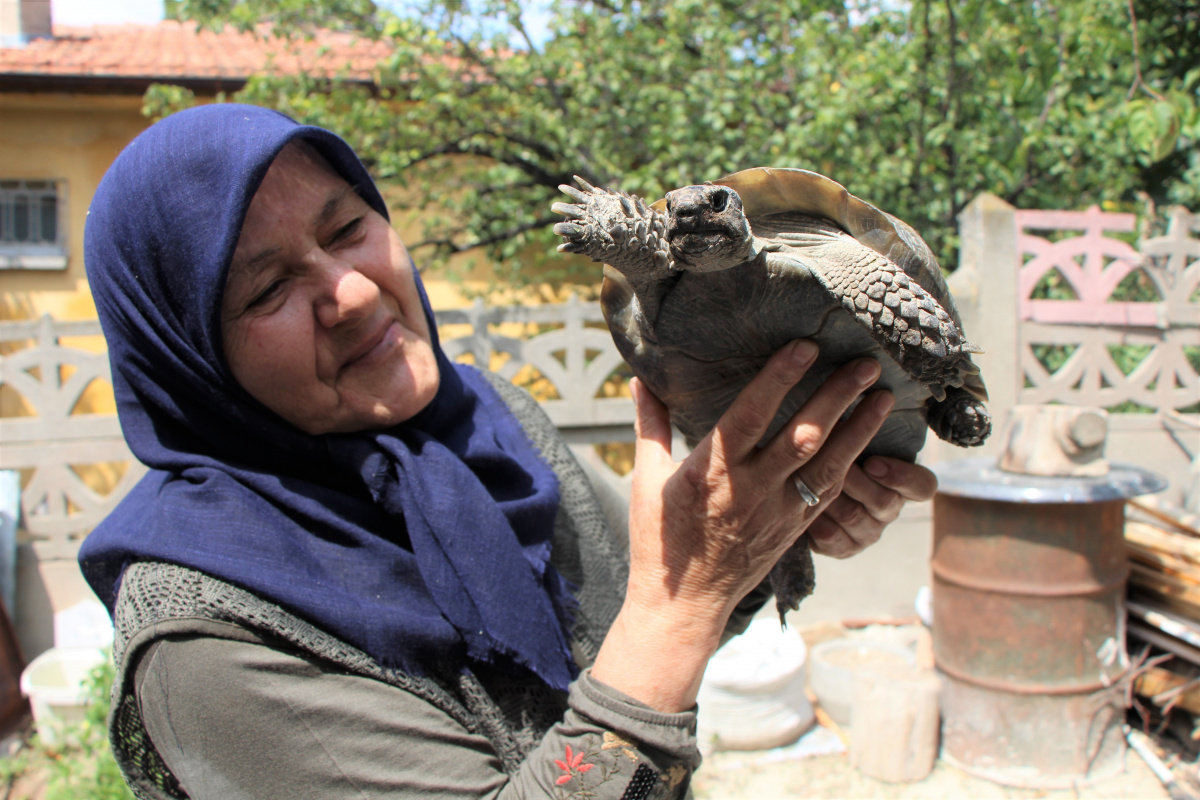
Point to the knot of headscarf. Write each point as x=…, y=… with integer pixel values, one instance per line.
x=427, y=543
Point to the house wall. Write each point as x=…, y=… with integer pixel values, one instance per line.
x=75, y=138
x=70, y=138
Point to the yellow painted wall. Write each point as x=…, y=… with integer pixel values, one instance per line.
x=75, y=138
x=72, y=138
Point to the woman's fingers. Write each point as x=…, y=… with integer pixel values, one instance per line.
x=807, y=433
x=876, y=500
x=739, y=430
x=829, y=537
x=856, y=518
x=826, y=471
x=652, y=427
x=872, y=497
x=910, y=481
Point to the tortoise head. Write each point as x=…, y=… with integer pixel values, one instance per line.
x=707, y=228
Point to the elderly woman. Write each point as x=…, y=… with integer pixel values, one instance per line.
x=356, y=569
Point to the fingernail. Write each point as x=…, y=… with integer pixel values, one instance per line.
x=867, y=371
x=804, y=351
x=635, y=391
x=876, y=467
x=883, y=402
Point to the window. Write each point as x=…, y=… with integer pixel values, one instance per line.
x=31, y=229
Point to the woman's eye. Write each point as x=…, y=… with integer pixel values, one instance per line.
x=266, y=294
x=347, y=230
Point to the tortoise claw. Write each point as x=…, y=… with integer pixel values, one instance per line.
x=573, y=193
x=569, y=210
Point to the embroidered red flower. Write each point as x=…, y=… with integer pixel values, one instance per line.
x=572, y=765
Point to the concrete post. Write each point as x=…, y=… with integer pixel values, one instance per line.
x=985, y=290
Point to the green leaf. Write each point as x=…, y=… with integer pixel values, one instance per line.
x=473, y=132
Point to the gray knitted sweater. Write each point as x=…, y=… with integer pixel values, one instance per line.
x=592, y=742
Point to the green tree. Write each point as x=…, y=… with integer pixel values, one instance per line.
x=915, y=107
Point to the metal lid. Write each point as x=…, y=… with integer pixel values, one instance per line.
x=982, y=479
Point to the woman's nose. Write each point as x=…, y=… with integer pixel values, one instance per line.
x=346, y=295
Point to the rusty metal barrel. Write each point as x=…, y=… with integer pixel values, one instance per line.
x=1029, y=621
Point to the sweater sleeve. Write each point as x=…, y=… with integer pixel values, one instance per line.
x=235, y=719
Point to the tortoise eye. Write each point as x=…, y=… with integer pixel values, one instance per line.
x=720, y=200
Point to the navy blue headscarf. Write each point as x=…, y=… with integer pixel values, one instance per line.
x=427, y=543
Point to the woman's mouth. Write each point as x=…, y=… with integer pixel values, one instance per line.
x=376, y=346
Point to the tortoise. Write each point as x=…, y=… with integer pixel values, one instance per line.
x=701, y=287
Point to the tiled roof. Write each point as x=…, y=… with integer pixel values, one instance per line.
x=181, y=51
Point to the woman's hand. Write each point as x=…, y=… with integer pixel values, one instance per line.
x=871, y=499
x=705, y=532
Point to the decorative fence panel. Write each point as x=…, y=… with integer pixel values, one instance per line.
x=1070, y=307
x=1041, y=291
x=52, y=444
x=569, y=359
x=1156, y=340
x=570, y=347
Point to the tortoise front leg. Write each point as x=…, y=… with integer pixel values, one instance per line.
x=620, y=230
x=916, y=331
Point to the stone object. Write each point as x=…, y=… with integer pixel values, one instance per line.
x=835, y=664
x=1055, y=440
x=894, y=733
x=703, y=286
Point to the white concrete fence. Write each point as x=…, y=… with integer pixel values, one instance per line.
x=566, y=353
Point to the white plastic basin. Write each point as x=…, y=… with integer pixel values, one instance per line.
x=834, y=663
x=53, y=682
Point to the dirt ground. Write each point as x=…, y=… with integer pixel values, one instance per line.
x=772, y=775
x=755, y=776
x=787, y=773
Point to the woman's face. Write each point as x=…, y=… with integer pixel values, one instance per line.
x=321, y=319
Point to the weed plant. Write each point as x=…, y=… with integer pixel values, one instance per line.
x=79, y=765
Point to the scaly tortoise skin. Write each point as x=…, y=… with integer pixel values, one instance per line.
x=701, y=287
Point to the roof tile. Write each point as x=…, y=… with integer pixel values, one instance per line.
x=181, y=50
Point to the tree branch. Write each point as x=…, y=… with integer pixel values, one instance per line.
x=541, y=176
x=450, y=246
x=1137, y=61
x=914, y=179
x=954, y=103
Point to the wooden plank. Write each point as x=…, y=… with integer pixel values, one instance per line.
x=1161, y=640
x=1157, y=680
x=1164, y=562
x=1152, y=537
x=1178, y=626
x=1177, y=596
x=1163, y=584
x=1164, y=515
x=1172, y=604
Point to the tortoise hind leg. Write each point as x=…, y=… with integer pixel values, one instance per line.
x=961, y=418
x=793, y=578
